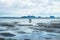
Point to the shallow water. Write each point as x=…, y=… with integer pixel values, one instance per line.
x=26, y=33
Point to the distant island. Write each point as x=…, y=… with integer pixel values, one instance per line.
x=50, y=17
x=28, y=17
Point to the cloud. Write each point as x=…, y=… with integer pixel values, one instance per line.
x=29, y=7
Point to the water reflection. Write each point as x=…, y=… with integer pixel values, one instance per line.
x=17, y=32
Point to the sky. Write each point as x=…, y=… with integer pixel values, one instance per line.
x=17, y=8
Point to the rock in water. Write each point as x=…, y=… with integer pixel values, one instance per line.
x=2, y=38
x=7, y=24
x=11, y=39
x=7, y=34
x=22, y=32
x=27, y=39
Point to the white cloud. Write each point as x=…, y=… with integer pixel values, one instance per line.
x=29, y=7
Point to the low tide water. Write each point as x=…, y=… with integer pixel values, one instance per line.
x=26, y=33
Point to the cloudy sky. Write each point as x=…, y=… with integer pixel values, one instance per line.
x=29, y=7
